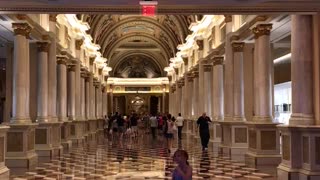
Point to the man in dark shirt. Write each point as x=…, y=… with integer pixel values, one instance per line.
x=203, y=125
x=134, y=124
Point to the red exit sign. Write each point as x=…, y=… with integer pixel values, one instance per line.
x=148, y=8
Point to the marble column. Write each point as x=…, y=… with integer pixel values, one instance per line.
x=178, y=98
x=163, y=102
x=235, y=136
x=62, y=102
x=20, y=152
x=301, y=138
x=87, y=106
x=264, y=144
x=91, y=97
x=44, y=133
x=201, y=96
x=207, y=89
x=52, y=89
x=185, y=97
x=83, y=96
x=71, y=93
x=111, y=100
x=190, y=93
x=196, y=110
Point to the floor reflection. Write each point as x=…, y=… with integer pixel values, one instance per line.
x=141, y=158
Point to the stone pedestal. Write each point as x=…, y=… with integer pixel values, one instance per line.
x=21, y=155
x=77, y=133
x=4, y=171
x=234, y=142
x=264, y=145
x=300, y=152
x=47, y=141
x=216, y=136
x=65, y=137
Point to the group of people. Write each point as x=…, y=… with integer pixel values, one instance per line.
x=165, y=124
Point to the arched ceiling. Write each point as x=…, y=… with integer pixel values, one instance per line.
x=127, y=37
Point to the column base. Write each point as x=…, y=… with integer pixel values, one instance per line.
x=300, y=152
x=235, y=139
x=264, y=145
x=4, y=171
x=21, y=155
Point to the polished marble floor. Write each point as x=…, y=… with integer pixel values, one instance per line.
x=140, y=158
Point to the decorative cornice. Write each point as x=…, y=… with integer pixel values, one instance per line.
x=237, y=46
x=262, y=29
x=43, y=46
x=218, y=60
x=227, y=18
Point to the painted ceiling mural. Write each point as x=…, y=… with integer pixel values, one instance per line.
x=151, y=41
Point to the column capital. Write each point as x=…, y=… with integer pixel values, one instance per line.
x=237, y=46
x=207, y=68
x=79, y=44
x=91, y=59
x=234, y=38
x=53, y=17
x=185, y=60
x=43, y=46
x=190, y=78
x=170, y=78
x=218, y=60
x=22, y=28
x=262, y=29
x=83, y=74
x=200, y=44
x=71, y=67
x=227, y=18
x=62, y=59
x=195, y=74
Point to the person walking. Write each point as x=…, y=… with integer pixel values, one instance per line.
x=203, y=125
x=179, y=124
x=153, y=125
x=169, y=131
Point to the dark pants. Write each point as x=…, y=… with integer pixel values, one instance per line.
x=153, y=131
x=179, y=132
x=205, y=136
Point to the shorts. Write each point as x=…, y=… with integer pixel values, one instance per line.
x=169, y=135
x=134, y=128
x=121, y=129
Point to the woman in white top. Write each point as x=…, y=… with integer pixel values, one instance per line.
x=169, y=130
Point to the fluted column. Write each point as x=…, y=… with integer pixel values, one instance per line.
x=62, y=88
x=71, y=93
x=91, y=97
x=262, y=74
x=218, y=92
x=201, y=96
x=20, y=85
x=52, y=71
x=163, y=102
x=238, y=86
x=178, y=98
x=42, y=89
x=77, y=90
x=185, y=96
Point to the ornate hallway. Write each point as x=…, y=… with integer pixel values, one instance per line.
x=141, y=158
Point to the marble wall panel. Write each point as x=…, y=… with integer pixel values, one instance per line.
x=240, y=135
x=317, y=149
x=1, y=149
x=15, y=141
x=41, y=136
x=306, y=148
x=268, y=140
x=286, y=153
